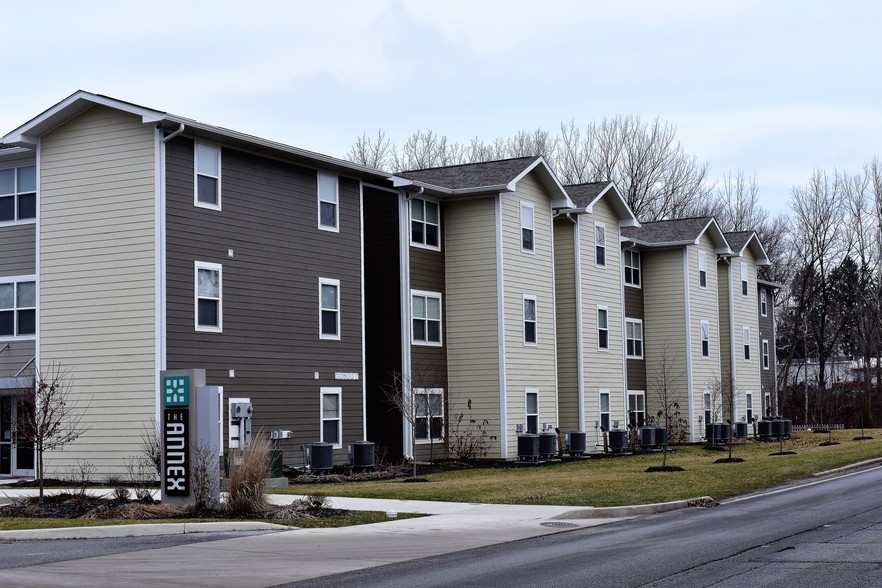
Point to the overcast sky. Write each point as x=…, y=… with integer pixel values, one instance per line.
x=776, y=88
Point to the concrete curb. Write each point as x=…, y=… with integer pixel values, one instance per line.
x=852, y=466
x=617, y=512
x=140, y=530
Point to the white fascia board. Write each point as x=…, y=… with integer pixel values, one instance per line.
x=546, y=177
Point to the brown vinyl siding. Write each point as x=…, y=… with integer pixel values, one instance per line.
x=766, y=331
x=18, y=244
x=567, y=323
x=634, y=310
x=383, y=320
x=15, y=357
x=270, y=291
x=634, y=302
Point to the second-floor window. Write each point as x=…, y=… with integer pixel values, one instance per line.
x=208, y=174
x=765, y=354
x=705, y=339
x=634, y=338
x=425, y=223
x=328, y=202
x=702, y=269
x=530, y=334
x=209, y=289
x=18, y=309
x=764, y=304
x=632, y=267
x=599, y=244
x=602, y=329
x=329, y=308
x=527, y=226
x=426, y=318
x=18, y=193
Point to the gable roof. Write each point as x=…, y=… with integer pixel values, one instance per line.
x=586, y=195
x=28, y=134
x=679, y=232
x=739, y=241
x=483, y=178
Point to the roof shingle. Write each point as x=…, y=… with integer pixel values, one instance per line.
x=471, y=175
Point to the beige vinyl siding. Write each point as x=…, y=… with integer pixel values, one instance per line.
x=528, y=273
x=664, y=323
x=602, y=286
x=567, y=332
x=471, y=316
x=97, y=294
x=704, y=306
x=747, y=373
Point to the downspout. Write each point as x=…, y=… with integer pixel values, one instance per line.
x=688, y=325
x=500, y=333
x=580, y=353
x=406, y=311
x=774, y=354
x=732, y=375
x=174, y=134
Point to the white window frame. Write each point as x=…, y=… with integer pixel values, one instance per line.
x=633, y=322
x=745, y=285
x=599, y=243
x=323, y=198
x=331, y=391
x=426, y=295
x=528, y=226
x=765, y=345
x=764, y=303
x=428, y=392
x=15, y=281
x=748, y=405
x=708, y=409
x=605, y=309
x=423, y=244
x=641, y=395
x=196, y=173
x=527, y=414
x=746, y=340
x=16, y=195
x=628, y=256
x=702, y=269
x=604, y=393
x=322, y=309
x=704, y=337
x=534, y=321
x=204, y=265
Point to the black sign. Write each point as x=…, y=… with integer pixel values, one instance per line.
x=176, y=449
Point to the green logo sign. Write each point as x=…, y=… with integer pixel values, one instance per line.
x=176, y=390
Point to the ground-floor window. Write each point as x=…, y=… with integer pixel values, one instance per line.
x=429, y=414
x=604, y=409
x=532, y=401
x=636, y=408
x=331, y=416
x=748, y=401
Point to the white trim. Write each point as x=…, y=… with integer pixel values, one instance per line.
x=628, y=394
x=500, y=332
x=159, y=265
x=196, y=202
x=580, y=327
x=639, y=268
x=527, y=391
x=745, y=346
x=336, y=202
x=764, y=302
x=688, y=321
x=363, y=314
x=535, y=321
x=766, y=354
x=636, y=322
x=600, y=412
x=732, y=353
x=605, y=309
x=197, y=265
x=405, y=304
x=428, y=294
x=339, y=311
x=529, y=206
x=409, y=226
x=39, y=155
x=600, y=225
x=702, y=327
x=338, y=392
x=556, y=390
x=427, y=392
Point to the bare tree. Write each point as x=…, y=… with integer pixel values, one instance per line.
x=373, y=152
x=417, y=397
x=666, y=395
x=45, y=415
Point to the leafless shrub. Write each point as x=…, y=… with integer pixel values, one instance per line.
x=141, y=474
x=80, y=474
x=206, y=478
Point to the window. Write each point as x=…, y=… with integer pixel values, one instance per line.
x=634, y=338
x=426, y=318
x=767, y=404
x=209, y=289
x=328, y=200
x=743, y=279
x=765, y=354
x=602, y=329
x=705, y=339
x=329, y=309
x=527, y=226
x=331, y=421
x=632, y=267
x=746, y=343
x=636, y=408
x=530, y=335
x=748, y=401
x=425, y=223
x=18, y=193
x=600, y=244
x=702, y=269
x=18, y=309
x=764, y=304
x=708, y=417
x=208, y=192
x=604, y=408
x=532, y=410
x=428, y=423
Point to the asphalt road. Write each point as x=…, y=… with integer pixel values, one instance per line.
x=827, y=533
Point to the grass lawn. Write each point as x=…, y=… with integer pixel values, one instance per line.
x=354, y=518
x=623, y=480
